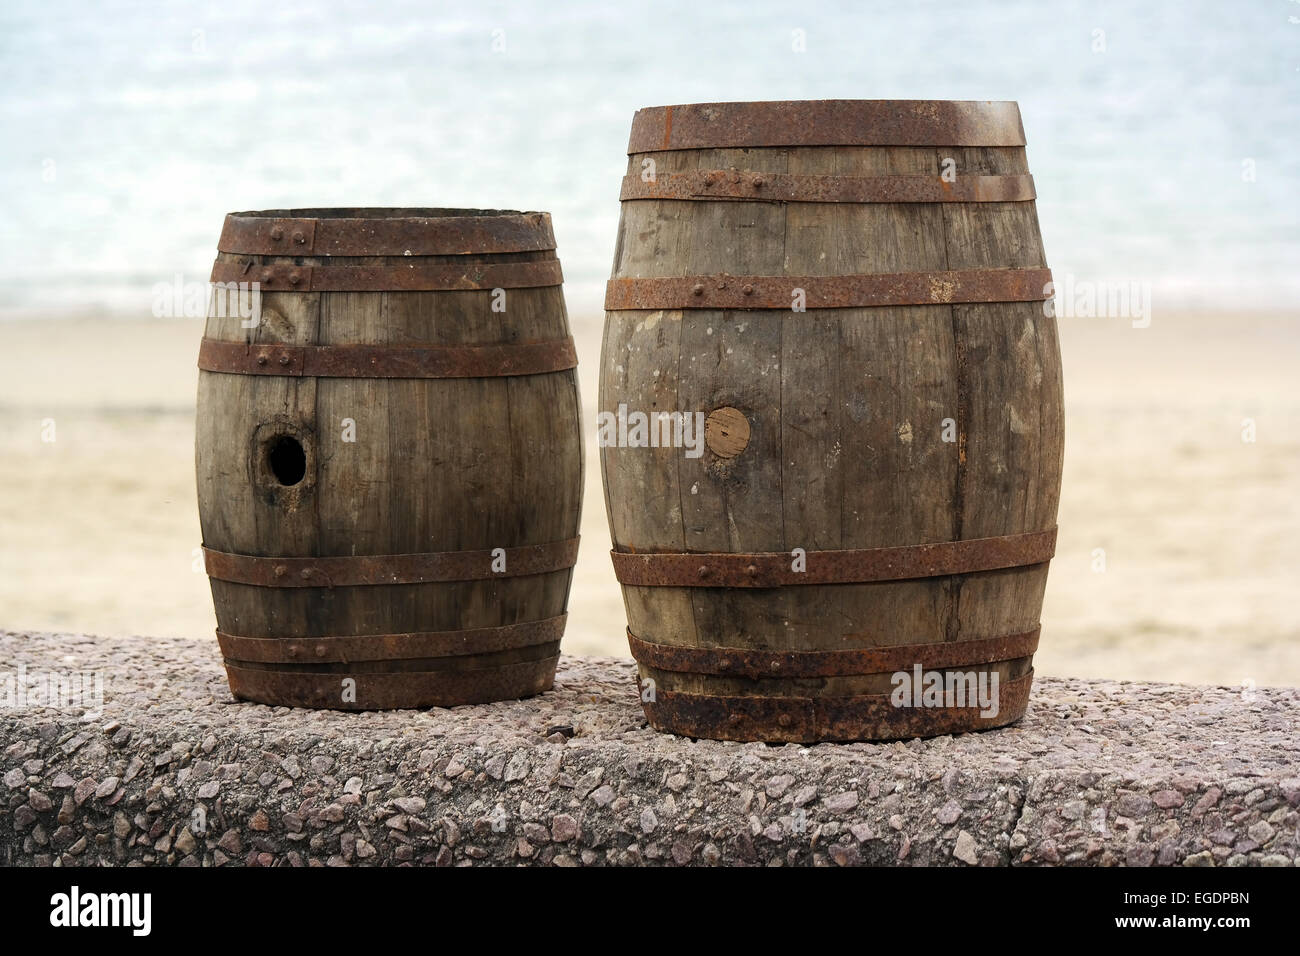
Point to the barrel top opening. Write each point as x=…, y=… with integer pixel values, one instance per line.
x=397, y=231
x=380, y=212
x=827, y=123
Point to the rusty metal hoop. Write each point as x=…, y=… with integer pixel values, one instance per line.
x=366, y=361
x=726, y=291
x=772, y=569
x=781, y=187
x=370, y=569
x=827, y=123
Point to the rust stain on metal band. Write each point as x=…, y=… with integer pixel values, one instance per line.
x=367, y=361
x=780, y=187
x=402, y=277
x=827, y=123
x=812, y=719
x=391, y=647
x=725, y=291
x=357, y=234
x=388, y=691
x=746, y=662
x=367, y=569
x=772, y=569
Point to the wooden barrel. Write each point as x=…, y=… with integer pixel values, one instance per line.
x=850, y=295
x=388, y=455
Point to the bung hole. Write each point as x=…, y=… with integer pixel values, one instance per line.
x=286, y=460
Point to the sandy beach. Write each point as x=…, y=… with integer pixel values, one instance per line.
x=1200, y=529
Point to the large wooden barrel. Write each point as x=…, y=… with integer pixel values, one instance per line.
x=851, y=294
x=389, y=458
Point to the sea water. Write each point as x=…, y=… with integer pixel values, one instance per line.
x=1164, y=137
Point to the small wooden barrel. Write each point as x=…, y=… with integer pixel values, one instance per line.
x=389, y=457
x=849, y=294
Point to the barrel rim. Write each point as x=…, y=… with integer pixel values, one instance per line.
x=380, y=231
x=832, y=122
x=383, y=213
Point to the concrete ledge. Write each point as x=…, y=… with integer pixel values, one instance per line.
x=174, y=771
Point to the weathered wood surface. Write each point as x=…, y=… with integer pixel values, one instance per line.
x=845, y=408
x=446, y=464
